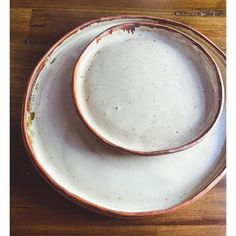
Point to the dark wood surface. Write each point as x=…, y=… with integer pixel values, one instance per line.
x=37, y=209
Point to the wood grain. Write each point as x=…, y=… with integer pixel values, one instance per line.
x=44, y=22
x=124, y=5
x=37, y=209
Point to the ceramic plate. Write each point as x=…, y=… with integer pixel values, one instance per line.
x=147, y=89
x=88, y=172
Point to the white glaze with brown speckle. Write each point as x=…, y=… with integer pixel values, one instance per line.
x=147, y=89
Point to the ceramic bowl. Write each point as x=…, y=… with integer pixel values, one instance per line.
x=147, y=89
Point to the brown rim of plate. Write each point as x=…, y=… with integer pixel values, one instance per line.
x=130, y=27
x=65, y=193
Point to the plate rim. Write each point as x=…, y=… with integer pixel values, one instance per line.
x=29, y=148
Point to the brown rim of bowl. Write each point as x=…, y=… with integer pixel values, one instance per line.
x=67, y=194
x=130, y=27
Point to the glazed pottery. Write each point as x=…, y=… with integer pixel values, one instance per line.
x=147, y=88
x=91, y=174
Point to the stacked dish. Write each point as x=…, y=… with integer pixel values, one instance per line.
x=125, y=116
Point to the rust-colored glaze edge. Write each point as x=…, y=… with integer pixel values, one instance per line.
x=158, y=20
x=130, y=27
x=77, y=200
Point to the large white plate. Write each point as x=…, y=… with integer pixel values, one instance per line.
x=91, y=174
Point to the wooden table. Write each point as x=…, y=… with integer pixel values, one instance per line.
x=37, y=209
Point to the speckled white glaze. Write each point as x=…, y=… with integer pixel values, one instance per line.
x=146, y=89
x=74, y=159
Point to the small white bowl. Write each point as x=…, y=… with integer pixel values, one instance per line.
x=147, y=89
